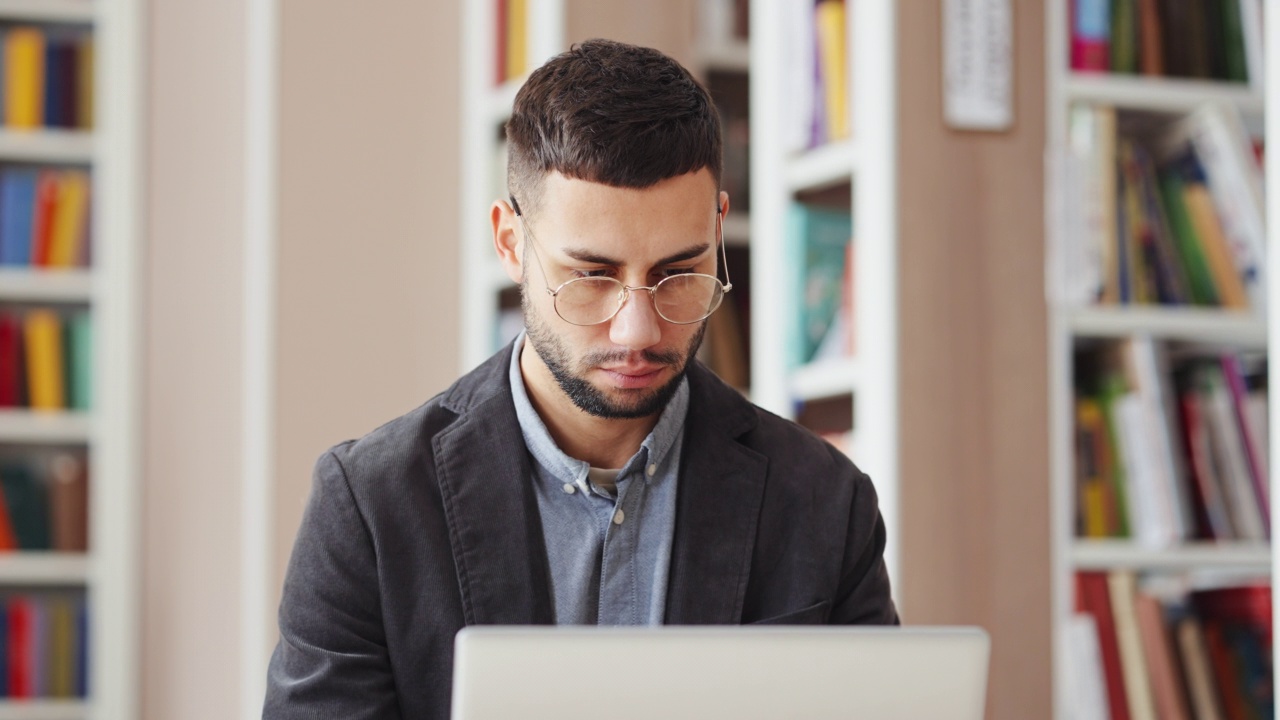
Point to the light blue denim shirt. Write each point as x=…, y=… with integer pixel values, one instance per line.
x=608, y=556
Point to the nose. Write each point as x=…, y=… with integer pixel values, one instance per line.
x=637, y=325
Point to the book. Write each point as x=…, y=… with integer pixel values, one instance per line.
x=42, y=217
x=1133, y=662
x=86, y=67
x=12, y=376
x=1200, y=280
x=1213, y=243
x=1124, y=36
x=70, y=220
x=1084, y=669
x=45, y=361
x=1250, y=436
x=818, y=238
x=1204, y=697
x=517, y=38
x=1229, y=454
x=78, y=346
x=20, y=649
x=1150, y=47
x=833, y=63
x=1215, y=520
x=1211, y=145
x=17, y=200
x=24, y=60
x=1166, y=684
x=1094, y=598
x=69, y=503
x=27, y=503
x=1091, y=35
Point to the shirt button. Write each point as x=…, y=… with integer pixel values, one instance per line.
x=569, y=489
x=618, y=517
x=653, y=470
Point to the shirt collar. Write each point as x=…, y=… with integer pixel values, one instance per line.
x=653, y=451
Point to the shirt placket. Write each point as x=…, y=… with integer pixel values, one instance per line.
x=618, y=592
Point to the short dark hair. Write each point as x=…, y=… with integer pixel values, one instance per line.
x=610, y=113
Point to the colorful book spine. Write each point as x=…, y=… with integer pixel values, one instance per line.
x=1091, y=35
x=45, y=361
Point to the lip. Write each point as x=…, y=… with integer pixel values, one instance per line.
x=632, y=377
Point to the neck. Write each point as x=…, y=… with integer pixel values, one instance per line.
x=600, y=442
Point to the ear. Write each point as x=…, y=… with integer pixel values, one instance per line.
x=508, y=239
x=724, y=205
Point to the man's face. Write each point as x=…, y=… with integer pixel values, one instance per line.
x=631, y=365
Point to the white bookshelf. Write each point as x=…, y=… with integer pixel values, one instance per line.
x=110, y=431
x=866, y=165
x=1070, y=325
x=45, y=710
x=485, y=108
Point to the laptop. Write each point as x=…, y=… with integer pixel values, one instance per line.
x=744, y=673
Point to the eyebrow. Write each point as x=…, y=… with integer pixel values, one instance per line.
x=586, y=256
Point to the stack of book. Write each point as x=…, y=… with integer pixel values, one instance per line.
x=44, y=218
x=817, y=74
x=46, y=360
x=1170, y=452
x=1206, y=654
x=47, y=78
x=1169, y=213
x=1210, y=39
x=43, y=646
x=44, y=505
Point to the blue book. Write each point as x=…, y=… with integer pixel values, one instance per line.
x=818, y=239
x=82, y=648
x=17, y=209
x=54, y=95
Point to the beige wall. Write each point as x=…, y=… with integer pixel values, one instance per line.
x=366, y=289
x=191, y=443
x=368, y=282
x=974, y=406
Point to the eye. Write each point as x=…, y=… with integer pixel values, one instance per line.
x=594, y=272
x=668, y=272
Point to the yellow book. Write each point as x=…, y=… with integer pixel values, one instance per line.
x=71, y=213
x=1208, y=230
x=833, y=54
x=1095, y=496
x=46, y=386
x=61, y=656
x=24, y=77
x=86, y=62
x=517, y=38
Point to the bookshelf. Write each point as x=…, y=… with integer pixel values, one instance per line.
x=1076, y=324
x=486, y=105
x=107, y=434
x=855, y=175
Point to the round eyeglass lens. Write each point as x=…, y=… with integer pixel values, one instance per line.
x=587, y=301
x=688, y=298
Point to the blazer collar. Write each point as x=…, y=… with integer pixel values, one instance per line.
x=721, y=489
x=495, y=526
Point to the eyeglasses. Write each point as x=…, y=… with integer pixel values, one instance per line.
x=681, y=299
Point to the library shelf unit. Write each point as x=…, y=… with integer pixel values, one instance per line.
x=486, y=106
x=1072, y=325
x=109, y=433
x=863, y=166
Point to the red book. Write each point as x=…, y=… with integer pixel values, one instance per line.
x=21, y=648
x=10, y=361
x=1095, y=599
x=1091, y=35
x=42, y=217
x=500, y=47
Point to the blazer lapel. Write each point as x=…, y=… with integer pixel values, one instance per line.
x=721, y=488
x=494, y=523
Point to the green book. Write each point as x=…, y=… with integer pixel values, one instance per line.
x=1112, y=387
x=1233, y=41
x=78, y=344
x=1203, y=291
x=1124, y=36
x=28, y=504
x=818, y=239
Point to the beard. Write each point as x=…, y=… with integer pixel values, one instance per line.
x=587, y=397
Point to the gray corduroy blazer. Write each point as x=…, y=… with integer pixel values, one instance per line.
x=429, y=524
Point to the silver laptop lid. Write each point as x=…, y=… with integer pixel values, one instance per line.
x=581, y=673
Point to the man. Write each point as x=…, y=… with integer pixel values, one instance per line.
x=592, y=472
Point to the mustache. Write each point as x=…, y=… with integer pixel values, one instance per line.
x=657, y=358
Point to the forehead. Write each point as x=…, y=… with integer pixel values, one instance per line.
x=627, y=223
